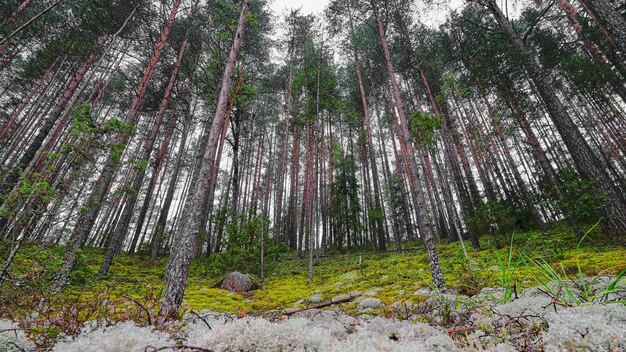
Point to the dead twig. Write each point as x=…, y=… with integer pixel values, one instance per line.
x=332, y=302
x=201, y=318
x=142, y=307
x=461, y=329
x=176, y=348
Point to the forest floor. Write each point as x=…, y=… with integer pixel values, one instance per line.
x=541, y=292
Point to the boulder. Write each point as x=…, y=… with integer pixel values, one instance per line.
x=238, y=282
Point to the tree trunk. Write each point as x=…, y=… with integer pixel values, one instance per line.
x=612, y=23
x=586, y=162
x=423, y=221
x=183, y=244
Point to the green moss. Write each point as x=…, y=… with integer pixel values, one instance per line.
x=396, y=276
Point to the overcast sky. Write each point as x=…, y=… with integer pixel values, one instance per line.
x=428, y=14
x=311, y=6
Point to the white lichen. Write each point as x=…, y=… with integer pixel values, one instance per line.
x=121, y=337
x=13, y=339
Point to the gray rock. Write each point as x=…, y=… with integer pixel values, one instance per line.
x=424, y=292
x=316, y=298
x=369, y=303
x=369, y=293
x=402, y=306
x=238, y=282
x=339, y=283
x=350, y=276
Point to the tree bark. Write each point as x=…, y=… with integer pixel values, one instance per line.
x=96, y=198
x=183, y=244
x=423, y=221
x=586, y=162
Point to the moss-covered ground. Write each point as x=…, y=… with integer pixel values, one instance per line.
x=394, y=276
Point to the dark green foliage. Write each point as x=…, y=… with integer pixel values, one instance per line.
x=585, y=73
x=345, y=207
x=423, y=126
x=243, y=251
x=494, y=219
x=580, y=200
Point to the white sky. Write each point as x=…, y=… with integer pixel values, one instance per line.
x=433, y=15
x=314, y=6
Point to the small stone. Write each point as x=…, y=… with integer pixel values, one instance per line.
x=355, y=293
x=494, y=268
x=402, y=306
x=350, y=276
x=424, y=291
x=369, y=293
x=316, y=298
x=369, y=303
x=338, y=283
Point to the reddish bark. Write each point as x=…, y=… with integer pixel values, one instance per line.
x=423, y=221
x=95, y=200
x=26, y=101
x=183, y=244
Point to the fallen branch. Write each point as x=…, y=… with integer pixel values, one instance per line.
x=179, y=347
x=331, y=302
x=461, y=329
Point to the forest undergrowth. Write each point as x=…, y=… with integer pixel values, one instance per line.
x=132, y=289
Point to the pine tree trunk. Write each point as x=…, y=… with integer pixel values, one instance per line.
x=612, y=23
x=423, y=221
x=183, y=244
x=586, y=162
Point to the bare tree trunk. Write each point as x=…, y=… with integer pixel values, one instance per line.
x=586, y=162
x=183, y=244
x=96, y=198
x=423, y=221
